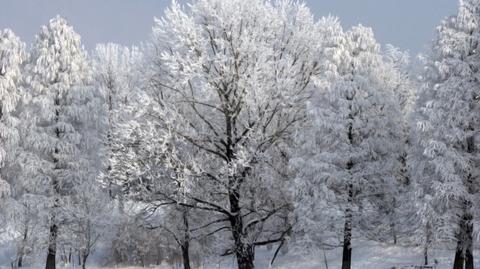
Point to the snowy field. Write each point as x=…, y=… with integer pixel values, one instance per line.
x=366, y=255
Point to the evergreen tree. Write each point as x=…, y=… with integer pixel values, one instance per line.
x=349, y=161
x=447, y=125
x=57, y=75
x=12, y=56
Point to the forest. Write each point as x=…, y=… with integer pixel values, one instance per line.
x=245, y=131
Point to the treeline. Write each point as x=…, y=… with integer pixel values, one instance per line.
x=239, y=124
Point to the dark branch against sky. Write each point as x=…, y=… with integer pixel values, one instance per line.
x=408, y=24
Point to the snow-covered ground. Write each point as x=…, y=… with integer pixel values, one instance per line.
x=366, y=255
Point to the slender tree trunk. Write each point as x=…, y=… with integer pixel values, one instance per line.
x=394, y=233
x=186, y=242
x=52, y=246
x=84, y=259
x=428, y=241
x=21, y=251
x=469, y=263
x=347, y=230
x=53, y=233
x=425, y=255
x=186, y=256
x=468, y=217
x=462, y=244
x=347, y=233
x=347, y=242
x=391, y=218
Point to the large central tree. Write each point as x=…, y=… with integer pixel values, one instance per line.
x=226, y=88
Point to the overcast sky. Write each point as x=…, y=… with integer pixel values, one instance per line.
x=408, y=24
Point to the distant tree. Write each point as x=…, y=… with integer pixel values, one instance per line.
x=349, y=159
x=447, y=125
x=12, y=56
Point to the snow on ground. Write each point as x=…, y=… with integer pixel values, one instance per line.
x=366, y=255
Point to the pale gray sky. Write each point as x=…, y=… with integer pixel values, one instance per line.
x=408, y=24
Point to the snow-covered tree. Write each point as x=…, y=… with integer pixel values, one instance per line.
x=12, y=56
x=53, y=163
x=349, y=159
x=228, y=82
x=116, y=77
x=445, y=160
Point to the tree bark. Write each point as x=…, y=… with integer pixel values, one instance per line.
x=52, y=246
x=428, y=241
x=425, y=255
x=347, y=230
x=245, y=260
x=347, y=242
x=84, y=260
x=459, y=258
x=21, y=251
x=469, y=264
x=186, y=255
x=394, y=233
x=347, y=233
x=244, y=252
x=186, y=242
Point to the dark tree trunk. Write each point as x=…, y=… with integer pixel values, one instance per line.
x=52, y=247
x=244, y=252
x=468, y=217
x=428, y=241
x=84, y=260
x=469, y=259
x=347, y=230
x=394, y=233
x=347, y=242
x=52, y=241
x=469, y=242
x=186, y=240
x=347, y=233
x=21, y=251
x=246, y=259
x=186, y=256
x=459, y=259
